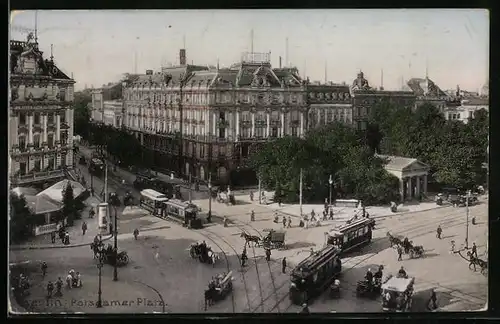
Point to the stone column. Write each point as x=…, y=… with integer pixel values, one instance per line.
x=282, y=132
x=319, y=116
x=14, y=130
x=402, y=188
x=45, y=121
x=253, y=124
x=58, y=127
x=30, y=129
x=214, y=124
x=408, y=188
x=237, y=125
x=417, y=191
x=425, y=185
x=301, y=133
x=268, y=121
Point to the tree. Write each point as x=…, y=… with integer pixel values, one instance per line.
x=20, y=215
x=69, y=206
x=82, y=114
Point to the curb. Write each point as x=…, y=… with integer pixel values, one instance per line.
x=46, y=247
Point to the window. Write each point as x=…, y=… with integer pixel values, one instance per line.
x=38, y=165
x=37, y=119
x=22, y=119
x=22, y=143
x=50, y=119
x=22, y=168
x=62, y=118
x=274, y=132
x=50, y=140
x=36, y=141
x=64, y=138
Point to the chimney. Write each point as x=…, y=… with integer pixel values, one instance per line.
x=149, y=72
x=182, y=56
x=280, y=62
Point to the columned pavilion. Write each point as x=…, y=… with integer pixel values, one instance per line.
x=412, y=175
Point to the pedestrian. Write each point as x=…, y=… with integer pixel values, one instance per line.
x=251, y=195
x=289, y=222
x=66, y=239
x=284, y=221
x=279, y=201
x=44, y=268
x=400, y=253
x=268, y=254
x=312, y=251
x=59, y=284
x=313, y=214
x=92, y=192
x=84, y=228
x=432, y=303
x=283, y=265
x=474, y=250
x=136, y=233
x=50, y=289
x=244, y=257
x=439, y=231
x=331, y=213
x=53, y=237
x=91, y=213
x=252, y=216
x=452, y=246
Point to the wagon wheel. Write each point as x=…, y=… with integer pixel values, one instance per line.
x=125, y=259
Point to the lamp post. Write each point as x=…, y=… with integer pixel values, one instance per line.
x=209, y=218
x=114, y=203
x=190, y=188
x=99, y=292
x=330, y=181
x=467, y=223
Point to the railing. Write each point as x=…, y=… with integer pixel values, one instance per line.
x=38, y=176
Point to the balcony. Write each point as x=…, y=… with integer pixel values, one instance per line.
x=37, y=177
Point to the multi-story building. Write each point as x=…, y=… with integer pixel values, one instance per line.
x=427, y=91
x=364, y=98
x=219, y=113
x=328, y=103
x=466, y=110
x=107, y=105
x=40, y=116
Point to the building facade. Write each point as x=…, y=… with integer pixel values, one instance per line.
x=365, y=98
x=40, y=116
x=467, y=109
x=107, y=105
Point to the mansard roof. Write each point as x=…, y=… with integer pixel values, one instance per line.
x=425, y=87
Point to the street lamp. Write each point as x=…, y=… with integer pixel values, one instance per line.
x=209, y=218
x=114, y=203
x=330, y=181
x=467, y=215
x=99, y=293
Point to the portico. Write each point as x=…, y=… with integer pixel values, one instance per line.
x=412, y=175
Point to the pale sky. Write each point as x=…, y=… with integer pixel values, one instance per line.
x=99, y=46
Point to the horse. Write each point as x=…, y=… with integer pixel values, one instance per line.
x=394, y=240
x=250, y=238
x=476, y=261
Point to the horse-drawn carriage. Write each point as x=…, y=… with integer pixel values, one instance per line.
x=203, y=253
x=414, y=251
x=218, y=288
x=225, y=198
x=369, y=289
x=111, y=257
x=273, y=240
x=397, y=294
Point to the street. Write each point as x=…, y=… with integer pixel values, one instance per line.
x=160, y=259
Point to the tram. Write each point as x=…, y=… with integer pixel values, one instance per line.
x=352, y=234
x=96, y=167
x=183, y=210
x=314, y=275
x=152, y=200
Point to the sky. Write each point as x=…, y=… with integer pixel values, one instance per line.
x=99, y=46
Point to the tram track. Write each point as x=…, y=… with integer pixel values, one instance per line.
x=228, y=265
x=261, y=305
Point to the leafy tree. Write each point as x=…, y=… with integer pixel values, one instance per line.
x=69, y=209
x=82, y=114
x=20, y=218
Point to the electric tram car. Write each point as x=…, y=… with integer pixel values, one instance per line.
x=352, y=234
x=183, y=210
x=314, y=275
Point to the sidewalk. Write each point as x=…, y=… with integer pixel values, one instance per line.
x=76, y=236
x=344, y=213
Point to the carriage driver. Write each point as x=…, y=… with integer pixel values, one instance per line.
x=369, y=276
x=379, y=273
x=402, y=273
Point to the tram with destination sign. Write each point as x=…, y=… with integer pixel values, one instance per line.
x=314, y=275
x=352, y=234
x=184, y=211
